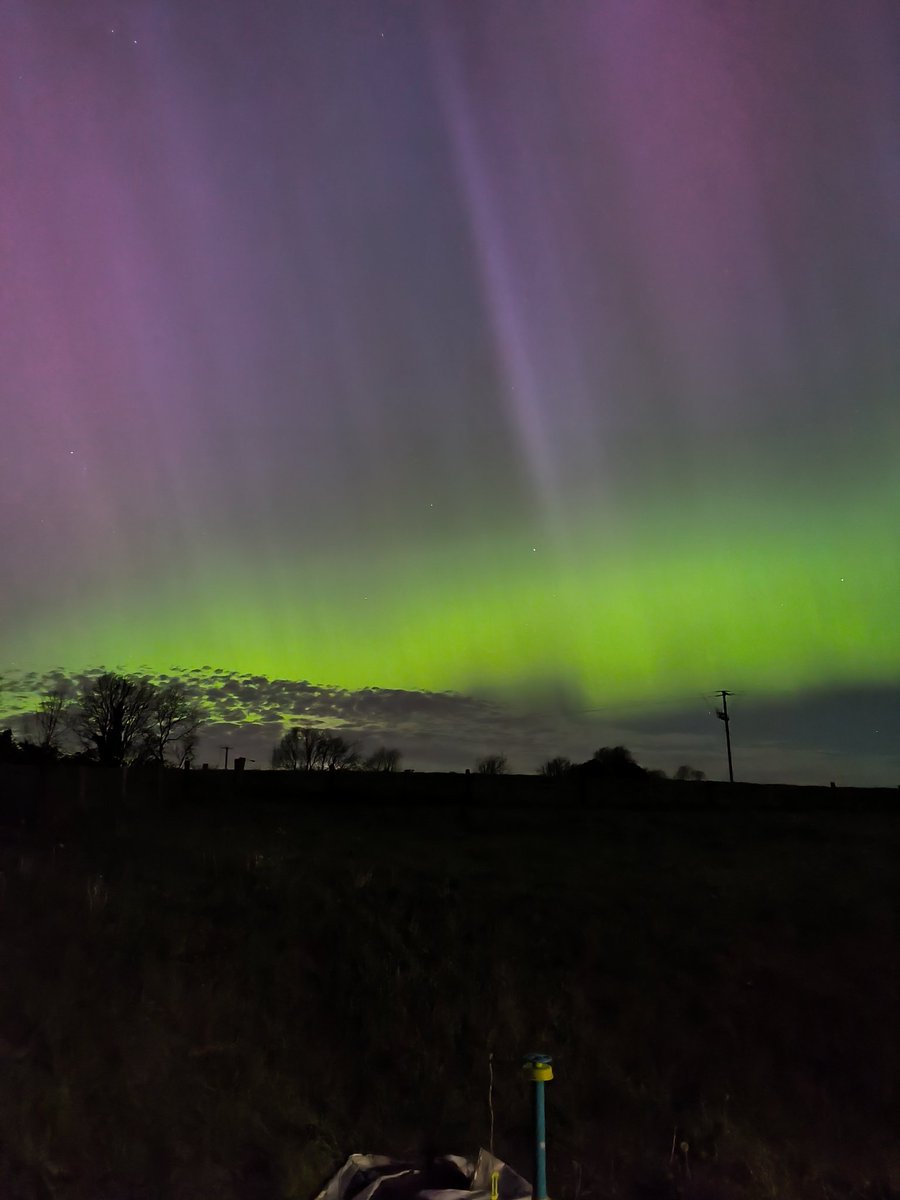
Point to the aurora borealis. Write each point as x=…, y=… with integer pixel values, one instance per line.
x=518, y=349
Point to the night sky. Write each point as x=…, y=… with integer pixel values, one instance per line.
x=505, y=376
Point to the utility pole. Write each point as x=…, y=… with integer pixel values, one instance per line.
x=722, y=714
x=226, y=749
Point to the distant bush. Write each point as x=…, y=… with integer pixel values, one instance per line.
x=688, y=774
x=612, y=762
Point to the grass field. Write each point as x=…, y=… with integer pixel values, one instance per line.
x=225, y=999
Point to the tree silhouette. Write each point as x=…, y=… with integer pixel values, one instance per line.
x=287, y=754
x=493, y=764
x=338, y=754
x=9, y=750
x=616, y=760
x=49, y=720
x=385, y=759
x=612, y=762
x=555, y=768
x=688, y=774
x=311, y=740
x=172, y=724
x=111, y=717
x=310, y=749
x=122, y=720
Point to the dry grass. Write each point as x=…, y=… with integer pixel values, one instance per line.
x=225, y=1004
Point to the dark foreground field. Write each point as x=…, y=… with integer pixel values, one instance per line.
x=222, y=996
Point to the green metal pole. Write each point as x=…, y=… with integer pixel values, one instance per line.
x=540, y=1072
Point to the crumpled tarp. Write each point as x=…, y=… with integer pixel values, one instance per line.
x=449, y=1177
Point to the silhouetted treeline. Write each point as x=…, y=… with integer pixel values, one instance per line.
x=115, y=721
x=129, y=720
x=308, y=748
x=615, y=763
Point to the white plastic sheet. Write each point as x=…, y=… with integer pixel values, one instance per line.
x=450, y=1177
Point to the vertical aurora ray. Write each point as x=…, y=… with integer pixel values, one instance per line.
x=446, y=347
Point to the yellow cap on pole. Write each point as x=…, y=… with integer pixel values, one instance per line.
x=539, y=1072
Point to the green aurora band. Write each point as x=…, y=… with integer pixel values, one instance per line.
x=748, y=593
